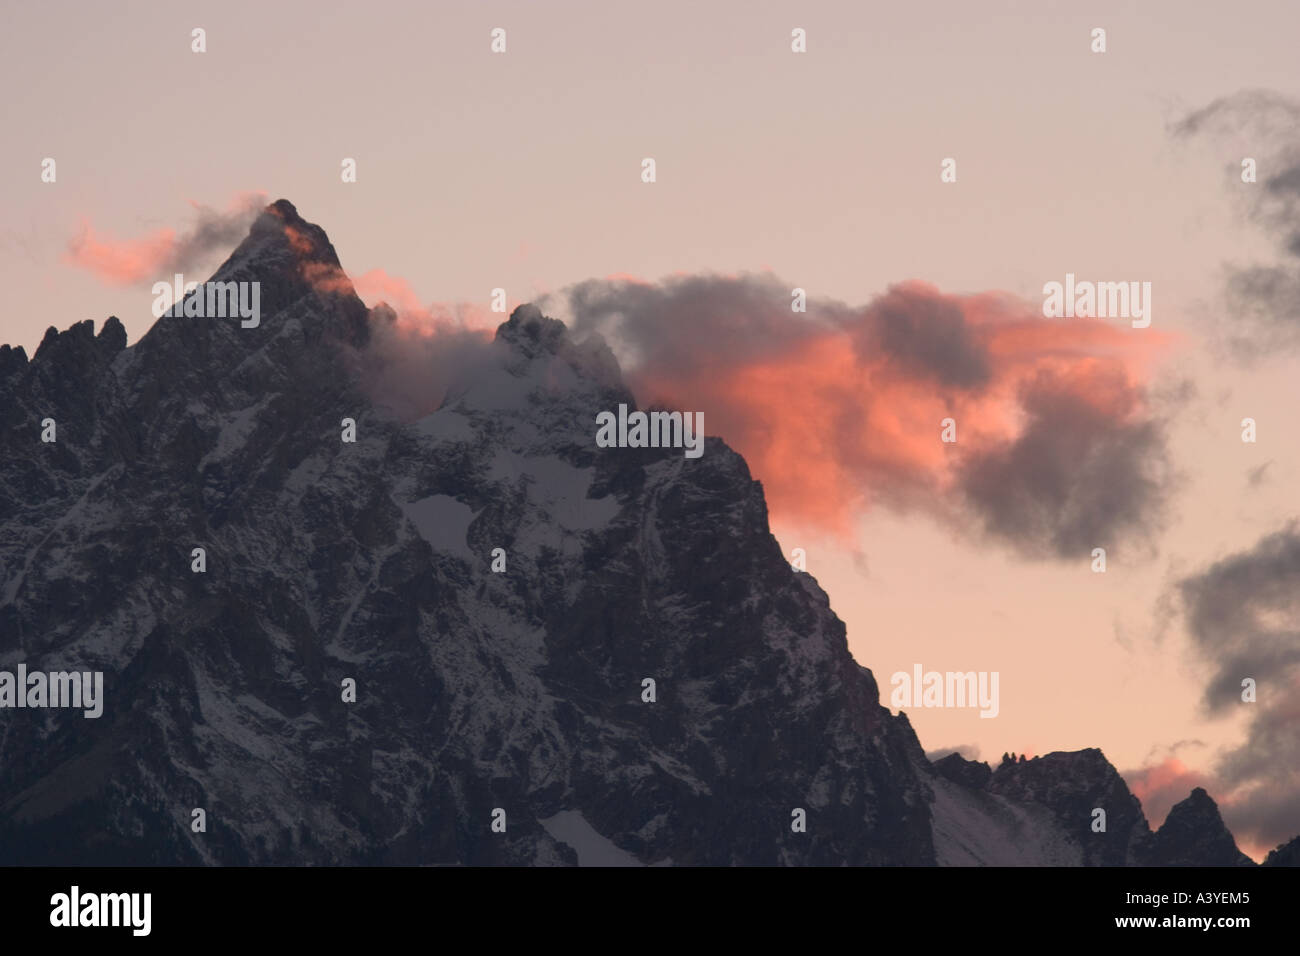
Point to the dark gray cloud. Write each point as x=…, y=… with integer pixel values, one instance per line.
x=928, y=337
x=1244, y=612
x=686, y=322
x=214, y=231
x=1257, y=476
x=1263, y=299
x=408, y=373
x=1243, y=615
x=1076, y=478
x=690, y=322
x=1244, y=111
x=1080, y=473
x=1264, y=304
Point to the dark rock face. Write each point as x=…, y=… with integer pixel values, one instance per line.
x=1288, y=854
x=969, y=773
x=1194, y=835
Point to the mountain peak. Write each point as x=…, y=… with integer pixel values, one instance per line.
x=285, y=209
x=287, y=246
x=298, y=281
x=530, y=330
x=307, y=240
x=1194, y=834
x=535, y=339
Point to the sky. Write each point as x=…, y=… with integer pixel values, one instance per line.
x=820, y=170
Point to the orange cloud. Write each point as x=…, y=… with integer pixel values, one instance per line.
x=1159, y=786
x=847, y=412
x=165, y=251
x=121, y=261
x=411, y=316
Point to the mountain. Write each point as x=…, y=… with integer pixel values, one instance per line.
x=1194, y=834
x=497, y=590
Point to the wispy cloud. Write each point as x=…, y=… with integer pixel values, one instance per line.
x=1243, y=615
x=1263, y=298
x=165, y=251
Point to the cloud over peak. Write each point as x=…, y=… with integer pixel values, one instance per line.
x=841, y=408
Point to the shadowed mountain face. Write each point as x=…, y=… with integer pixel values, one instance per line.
x=520, y=688
x=1288, y=854
x=1194, y=834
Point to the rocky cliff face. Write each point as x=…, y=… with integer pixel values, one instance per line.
x=521, y=689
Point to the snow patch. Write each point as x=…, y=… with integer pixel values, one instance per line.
x=974, y=828
x=559, y=488
x=235, y=431
x=442, y=521
x=445, y=425
x=571, y=827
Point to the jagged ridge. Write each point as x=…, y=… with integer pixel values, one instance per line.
x=476, y=690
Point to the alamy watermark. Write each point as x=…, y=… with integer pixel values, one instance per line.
x=216, y=300
x=1098, y=300
x=75, y=908
x=945, y=689
x=651, y=430
x=79, y=689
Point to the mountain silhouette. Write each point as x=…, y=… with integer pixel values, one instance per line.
x=499, y=593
